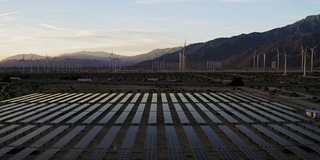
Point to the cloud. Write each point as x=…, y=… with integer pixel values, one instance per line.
x=163, y=1
x=240, y=1
x=52, y=27
x=8, y=14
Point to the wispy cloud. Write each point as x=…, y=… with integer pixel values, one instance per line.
x=240, y=1
x=8, y=14
x=52, y=27
x=164, y=1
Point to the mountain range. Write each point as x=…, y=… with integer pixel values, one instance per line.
x=237, y=51
x=232, y=52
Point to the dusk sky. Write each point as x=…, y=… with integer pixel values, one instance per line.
x=131, y=27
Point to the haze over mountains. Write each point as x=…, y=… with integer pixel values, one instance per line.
x=237, y=51
x=233, y=52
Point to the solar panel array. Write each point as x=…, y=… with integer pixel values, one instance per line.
x=211, y=125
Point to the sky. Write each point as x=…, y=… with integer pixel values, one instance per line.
x=132, y=27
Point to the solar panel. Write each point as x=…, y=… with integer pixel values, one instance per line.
x=173, y=98
x=219, y=97
x=107, y=117
x=152, y=118
x=284, y=106
x=226, y=107
x=243, y=146
x=85, y=100
x=127, y=143
x=202, y=107
x=135, y=98
x=314, y=128
x=276, y=153
x=23, y=154
x=10, y=106
x=227, y=117
x=183, y=98
x=49, y=153
x=250, y=99
x=154, y=98
x=15, y=133
x=29, y=136
x=141, y=108
x=145, y=98
x=164, y=98
x=153, y=108
x=8, y=128
x=84, y=142
x=213, y=117
x=42, y=141
x=183, y=118
x=193, y=99
x=73, y=153
x=237, y=97
x=167, y=118
x=63, y=117
x=107, y=98
x=92, y=117
x=109, y=137
x=210, y=97
x=5, y=150
x=174, y=151
x=116, y=98
x=98, y=98
x=137, y=118
x=214, y=138
x=125, y=99
x=303, y=154
x=201, y=97
x=151, y=138
x=57, y=99
x=68, y=137
x=228, y=97
x=302, y=117
x=122, y=118
x=291, y=134
x=72, y=97
x=214, y=107
x=165, y=107
x=241, y=116
x=80, y=98
x=196, y=144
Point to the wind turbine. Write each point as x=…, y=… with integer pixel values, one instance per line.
x=312, y=56
x=278, y=60
x=254, y=59
x=302, y=57
x=23, y=61
x=182, y=57
x=285, y=63
x=31, y=64
x=264, y=61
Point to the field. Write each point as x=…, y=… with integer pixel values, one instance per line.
x=179, y=116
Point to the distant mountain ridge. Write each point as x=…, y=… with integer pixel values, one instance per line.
x=88, y=58
x=237, y=51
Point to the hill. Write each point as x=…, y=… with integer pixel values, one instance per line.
x=237, y=51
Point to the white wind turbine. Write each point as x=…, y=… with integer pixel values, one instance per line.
x=312, y=56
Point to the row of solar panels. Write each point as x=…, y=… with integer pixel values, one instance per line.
x=47, y=148
x=154, y=98
x=88, y=113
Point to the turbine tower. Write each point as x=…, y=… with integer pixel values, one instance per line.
x=302, y=57
x=285, y=63
x=264, y=61
x=254, y=59
x=312, y=56
x=182, y=58
x=278, y=60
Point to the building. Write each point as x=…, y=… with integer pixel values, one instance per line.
x=313, y=113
